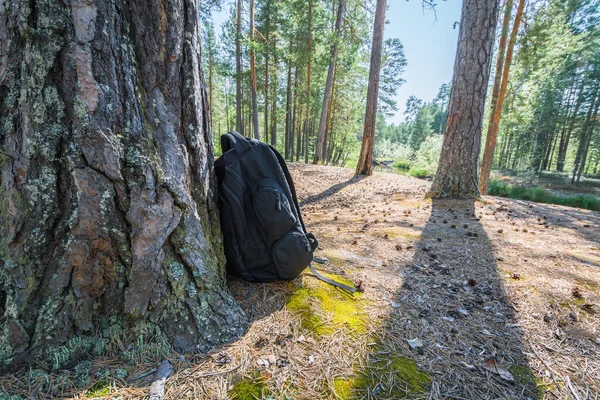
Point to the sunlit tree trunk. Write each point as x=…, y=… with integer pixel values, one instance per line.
x=457, y=169
x=499, y=92
x=255, y=128
x=109, y=223
x=564, y=144
x=239, y=124
x=321, y=145
x=309, y=50
x=274, y=95
x=365, y=160
x=288, y=106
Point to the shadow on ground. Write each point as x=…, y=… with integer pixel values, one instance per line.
x=453, y=318
x=332, y=190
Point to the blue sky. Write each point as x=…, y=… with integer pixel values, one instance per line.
x=429, y=45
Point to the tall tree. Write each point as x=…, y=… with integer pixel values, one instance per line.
x=499, y=91
x=309, y=55
x=320, y=152
x=239, y=119
x=288, y=107
x=253, y=75
x=105, y=140
x=365, y=161
x=457, y=168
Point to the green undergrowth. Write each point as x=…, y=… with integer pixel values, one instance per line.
x=324, y=308
x=395, y=376
x=249, y=389
x=542, y=195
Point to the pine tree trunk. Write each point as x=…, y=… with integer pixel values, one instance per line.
x=585, y=137
x=309, y=49
x=321, y=145
x=294, y=116
x=328, y=120
x=498, y=96
x=299, y=133
x=562, y=150
x=210, y=85
x=457, y=169
x=274, y=95
x=239, y=124
x=288, y=106
x=107, y=209
x=267, y=44
x=226, y=89
x=255, y=130
x=487, y=158
x=365, y=160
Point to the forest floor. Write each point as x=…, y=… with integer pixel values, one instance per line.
x=490, y=299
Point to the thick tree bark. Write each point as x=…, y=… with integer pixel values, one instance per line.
x=365, y=160
x=239, y=119
x=500, y=81
x=309, y=49
x=457, y=169
x=253, y=75
x=321, y=147
x=107, y=208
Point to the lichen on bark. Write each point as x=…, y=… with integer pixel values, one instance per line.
x=107, y=207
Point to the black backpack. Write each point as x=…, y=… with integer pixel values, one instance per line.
x=264, y=236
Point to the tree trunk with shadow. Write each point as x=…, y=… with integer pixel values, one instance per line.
x=457, y=168
x=109, y=221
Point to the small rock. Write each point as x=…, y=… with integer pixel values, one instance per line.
x=573, y=316
x=415, y=343
x=271, y=359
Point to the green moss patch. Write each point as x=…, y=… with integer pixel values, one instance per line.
x=248, y=389
x=324, y=309
x=343, y=388
x=525, y=376
x=407, y=378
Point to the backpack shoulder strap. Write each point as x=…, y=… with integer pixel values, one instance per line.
x=346, y=288
x=290, y=181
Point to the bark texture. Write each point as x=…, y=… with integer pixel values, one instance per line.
x=107, y=193
x=365, y=160
x=457, y=169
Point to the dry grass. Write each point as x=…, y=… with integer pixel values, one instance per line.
x=503, y=280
